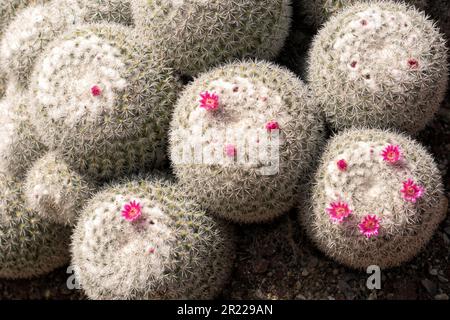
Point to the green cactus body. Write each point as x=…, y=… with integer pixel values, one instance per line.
x=379, y=65
x=36, y=26
x=382, y=174
x=103, y=102
x=232, y=160
x=29, y=246
x=197, y=35
x=19, y=146
x=141, y=240
x=317, y=12
x=55, y=191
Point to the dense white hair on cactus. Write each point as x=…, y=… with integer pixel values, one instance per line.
x=372, y=182
x=36, y=26
x=379, y=65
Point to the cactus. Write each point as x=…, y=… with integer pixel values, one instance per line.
x=379, y=65
x=9, y=9
x=35, y=27
x=29, y=246
x=3, y=84
x=377, y=199
x=197, y=35
x=19, y=146
x=55, y=191
x=103, y=101
x=140, y=239
x=247, y=178
x=317, y=12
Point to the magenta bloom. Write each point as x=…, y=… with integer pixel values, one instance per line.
x=272, y=125
x=392, y=154
x=132, y=211
x=369, y=226
x=338, y=211
x=413, y=63
x=209, y=101
x=342, y=165
x=96, y=91
x=230, y=150
x=411, y=191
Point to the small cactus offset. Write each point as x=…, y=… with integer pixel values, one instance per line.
x=35, y=27
x=198, y=35
x=379, y=65
x=317, y=12
x=29, y=245
x=141, y=239
x=56, y=191
x=103, y=102
x=19, y=146
x=241, y=137
x=377, y=199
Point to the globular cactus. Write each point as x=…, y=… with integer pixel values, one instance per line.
x=377, y=199
x=141, y=239
x=29, y=246
x=241, y=137
x=379, y=65
x=36, y=26
x=317, y=12
x=197, y=35
x=55, y=191
x=19, y=146
x=103, y=102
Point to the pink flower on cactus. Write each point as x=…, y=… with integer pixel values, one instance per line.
x=338, y=211
x=342, y=165
x=209, y=101
x=392, y=154
x=369, y=226
x=411, y=191
x=96, y=91
x=230, y=150
x=413, y=63
x=132, y=211
x=272, y=125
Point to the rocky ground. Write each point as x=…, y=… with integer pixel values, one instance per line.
x=277, y=262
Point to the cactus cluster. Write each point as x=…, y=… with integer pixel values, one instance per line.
x=241, y=155
x=197, y=35
x=31, y=31
x=379, y=65
x=317, y=12
x=141, y=239
x=92, y=103
x=377, y=199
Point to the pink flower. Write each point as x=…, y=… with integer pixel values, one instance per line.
x=338, y=211
x=342, y=165
x=413, y=63
x=209, y=101
x=411, y=191
x=392, y=154
x=230, y=150
x=96, y=91
x=132, y=211
x=272, y=125
x=369, y=225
